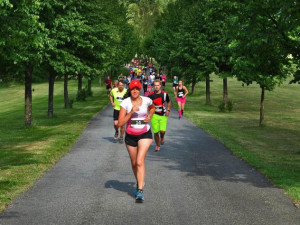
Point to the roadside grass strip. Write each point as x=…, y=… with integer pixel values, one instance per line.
x=26, y=153
x=273, y=149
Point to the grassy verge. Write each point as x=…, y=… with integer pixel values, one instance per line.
x=273, y=149
x=26, y=153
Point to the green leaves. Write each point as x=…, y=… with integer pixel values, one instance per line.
x=79, y=35
x=260, y=44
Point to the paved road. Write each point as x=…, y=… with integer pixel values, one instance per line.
x=192, y=180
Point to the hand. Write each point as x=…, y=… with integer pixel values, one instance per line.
x=147, y=119
x=135, y=109
x=167, y=113
x=113, y=104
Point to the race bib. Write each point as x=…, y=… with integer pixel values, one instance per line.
x=180, y=94
x=158, y=108
x=137, y=123
x=120, y=99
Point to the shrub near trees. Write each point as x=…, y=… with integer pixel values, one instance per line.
x=253, y=40
x=65, y=38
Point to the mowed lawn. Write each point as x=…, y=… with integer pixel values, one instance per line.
x=26, y=153
x=273, y=149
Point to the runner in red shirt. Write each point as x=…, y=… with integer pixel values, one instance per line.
x=108, y=85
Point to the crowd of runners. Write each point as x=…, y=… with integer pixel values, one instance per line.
x=138, y=99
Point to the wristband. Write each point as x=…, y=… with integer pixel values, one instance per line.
x=168, y=110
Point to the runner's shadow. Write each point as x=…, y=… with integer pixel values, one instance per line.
x=121, y=186
x=110, y=139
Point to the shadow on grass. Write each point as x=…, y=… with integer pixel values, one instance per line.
x=6, y=185
x=16, y=157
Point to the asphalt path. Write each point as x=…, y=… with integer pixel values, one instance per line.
x=194, y=179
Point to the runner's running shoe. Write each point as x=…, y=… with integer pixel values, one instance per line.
x=140, y=195
x=136, y=191
x=116, y=135
x=121, y=140
x=157, y=148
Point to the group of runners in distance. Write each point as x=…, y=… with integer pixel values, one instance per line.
x=137, y=111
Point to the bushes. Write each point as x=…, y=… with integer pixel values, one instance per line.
x=222, y=106
x=83, y=94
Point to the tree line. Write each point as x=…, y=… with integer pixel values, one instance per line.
x=64, y=39
x=255, y=41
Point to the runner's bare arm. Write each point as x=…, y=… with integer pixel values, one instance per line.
x=186, y=91
x=111, y=100
x=168, y=108
x=151, y=108
x=175, y=91
x=123, y=117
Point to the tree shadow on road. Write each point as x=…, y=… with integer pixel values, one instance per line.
x=110, y=139
x=196, y=153
x=127, y=187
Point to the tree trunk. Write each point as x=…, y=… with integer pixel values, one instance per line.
x=90, y=87
x=51, y=93
x=28, y=96
x=225, y=91
x=79, y=83
x=100, y=80
x=169, y=73
x=207, y=90
x=193, y=86
x=262, y=107
x=66, y=93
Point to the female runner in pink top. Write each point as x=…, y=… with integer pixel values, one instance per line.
x=134, y=111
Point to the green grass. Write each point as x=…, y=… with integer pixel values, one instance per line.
x=273, y=149
x=26, y=153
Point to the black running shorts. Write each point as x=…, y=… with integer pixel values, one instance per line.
x=133, y=140
x=116, y=114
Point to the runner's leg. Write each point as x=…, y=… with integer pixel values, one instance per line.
x=133, y=156
x=122, y=129
x=156, y=138
x=155, y=122
x=116, y=126
x=143, y=146
x=162, y=135
x=179, y=109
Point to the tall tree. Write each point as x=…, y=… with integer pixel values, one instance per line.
x=260, y=53
x=25, y=42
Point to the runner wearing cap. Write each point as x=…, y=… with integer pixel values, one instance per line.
x=137, y=111
x=116, y=97
x=160, y=118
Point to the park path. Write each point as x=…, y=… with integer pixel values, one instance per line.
x=194, y=179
